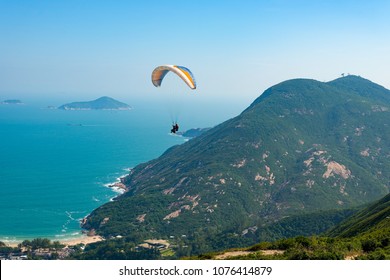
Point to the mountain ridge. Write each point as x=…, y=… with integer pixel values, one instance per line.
x=366, y=221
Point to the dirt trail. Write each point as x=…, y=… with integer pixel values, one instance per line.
x=245, y=253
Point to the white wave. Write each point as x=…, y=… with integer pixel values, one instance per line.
x=113, y=186
x=67, y=236
x=7, y=239
x=118, y=190
x=69, y=214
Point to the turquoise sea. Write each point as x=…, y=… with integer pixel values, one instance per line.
x=55, y=165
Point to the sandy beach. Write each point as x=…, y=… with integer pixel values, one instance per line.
x=84, y=239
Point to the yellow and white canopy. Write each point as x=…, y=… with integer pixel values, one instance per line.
x=183, y=72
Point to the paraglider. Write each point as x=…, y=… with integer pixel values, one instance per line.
x=184, y=74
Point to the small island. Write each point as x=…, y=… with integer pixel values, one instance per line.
x=102, y=103
x=12, y=101
x=193, y=132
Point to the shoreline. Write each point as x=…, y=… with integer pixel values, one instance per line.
x=118, y=186
x=84, y=239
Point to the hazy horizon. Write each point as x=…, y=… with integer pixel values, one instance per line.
x=236, y=49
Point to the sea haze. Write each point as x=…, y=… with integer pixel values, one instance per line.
x=54, y=164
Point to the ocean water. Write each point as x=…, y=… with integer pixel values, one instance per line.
x=55, y=165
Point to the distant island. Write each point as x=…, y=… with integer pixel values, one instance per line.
x=102, y=103
x=193, y=132
x=12, y=101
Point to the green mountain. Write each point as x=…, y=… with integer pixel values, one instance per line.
x=370, y=221
x=303, y=146
x=102, y=103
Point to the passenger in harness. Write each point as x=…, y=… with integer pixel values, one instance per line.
x=175, y=128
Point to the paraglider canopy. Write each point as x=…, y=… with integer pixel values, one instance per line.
x=184, y=73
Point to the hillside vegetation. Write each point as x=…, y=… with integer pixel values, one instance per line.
x=365, y=235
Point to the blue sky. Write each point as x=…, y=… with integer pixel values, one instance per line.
x=236, y=49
